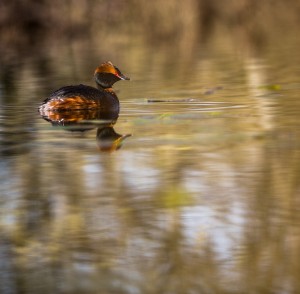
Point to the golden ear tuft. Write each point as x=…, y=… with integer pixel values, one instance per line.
x=106, y=67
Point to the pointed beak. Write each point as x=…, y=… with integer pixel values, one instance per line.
x=122, y=77
x=126, y=78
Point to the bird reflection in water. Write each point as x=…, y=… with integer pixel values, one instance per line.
x=108, y=140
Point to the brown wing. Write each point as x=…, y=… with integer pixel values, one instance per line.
x=75, y=103
x=73, y=97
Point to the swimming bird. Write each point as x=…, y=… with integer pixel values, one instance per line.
x=83, y=97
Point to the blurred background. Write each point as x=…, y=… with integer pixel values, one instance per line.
x=202, y=198
x=31, y=23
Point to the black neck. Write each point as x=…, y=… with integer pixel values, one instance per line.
x=105, y=80
x=100, y=87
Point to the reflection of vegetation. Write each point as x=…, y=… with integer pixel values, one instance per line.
x=174, y=197
x=69, y=238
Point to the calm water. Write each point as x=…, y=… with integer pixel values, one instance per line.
x=203, y=197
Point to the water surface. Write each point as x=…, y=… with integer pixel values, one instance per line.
x=201, y=198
